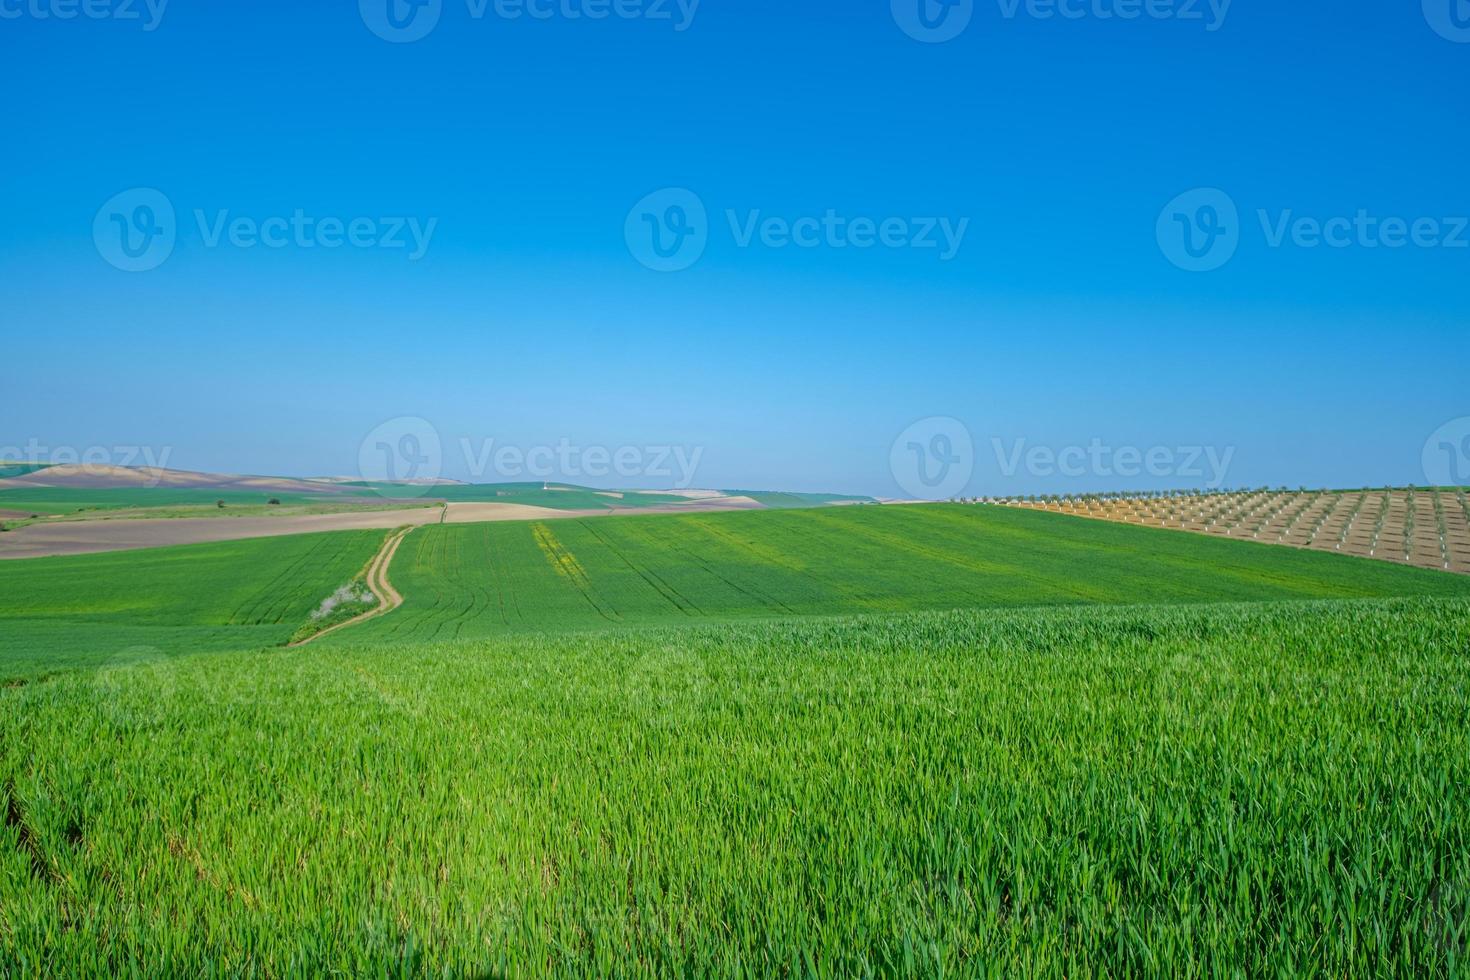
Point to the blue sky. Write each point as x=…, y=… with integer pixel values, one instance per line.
x=524, y=144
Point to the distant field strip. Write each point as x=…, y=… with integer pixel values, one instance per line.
x=477, y=580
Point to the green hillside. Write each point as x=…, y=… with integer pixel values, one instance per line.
x=479, y=580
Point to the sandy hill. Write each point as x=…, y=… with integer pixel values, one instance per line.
x=99, y=477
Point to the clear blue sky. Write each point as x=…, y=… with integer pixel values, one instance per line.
x=528, y=320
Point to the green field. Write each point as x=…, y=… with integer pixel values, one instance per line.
x=738, y=745
x=1231, y=790
x=69, y=500
x=60, y=613
x=467, y=581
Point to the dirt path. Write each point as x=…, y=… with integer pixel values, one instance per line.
x=377, y=581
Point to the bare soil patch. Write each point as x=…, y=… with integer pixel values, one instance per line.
x=87, y=537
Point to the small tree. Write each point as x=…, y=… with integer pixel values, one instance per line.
x=220, y=504
x=274, y=502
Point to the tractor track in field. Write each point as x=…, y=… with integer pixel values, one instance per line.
x=389, y=598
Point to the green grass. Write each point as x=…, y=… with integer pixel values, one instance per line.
x=67, y=500
x=468, y=581
x=58, y=613
x=1229, y=790
x=654, y=748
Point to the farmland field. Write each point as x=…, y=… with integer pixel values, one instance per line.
x=478, y=580
x=69, y=500
x=1263, y=789
x=1428, y=528
x=61, y=612
x=800, y=743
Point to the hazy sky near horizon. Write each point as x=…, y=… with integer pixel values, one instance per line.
x=810, y=245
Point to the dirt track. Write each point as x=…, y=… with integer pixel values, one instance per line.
x=377, y=580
